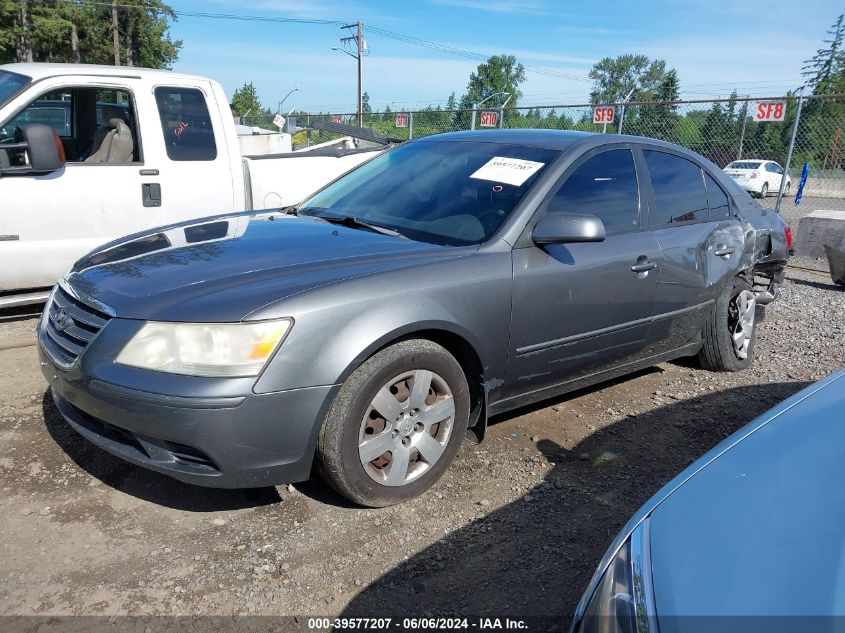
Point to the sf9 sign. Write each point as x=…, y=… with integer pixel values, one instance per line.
x=770, y=111
x=489, y=119
x=603, y=114
x=336, y=118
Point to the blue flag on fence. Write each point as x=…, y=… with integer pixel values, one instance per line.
x=800, y=193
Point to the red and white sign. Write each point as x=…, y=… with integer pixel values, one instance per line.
x=489, y=119
x=770, y=111
x=336, y=118
x=402, y=120
x=603, y=114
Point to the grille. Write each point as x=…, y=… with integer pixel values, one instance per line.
x=71, y=326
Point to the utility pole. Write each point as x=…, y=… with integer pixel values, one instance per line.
x=115, y=33
x=361, y=46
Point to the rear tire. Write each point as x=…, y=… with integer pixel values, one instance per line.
x=396, y=424
x=730, y=331
x=764, y=190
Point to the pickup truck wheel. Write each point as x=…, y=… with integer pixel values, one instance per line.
x=730, y=330
x=396, y=424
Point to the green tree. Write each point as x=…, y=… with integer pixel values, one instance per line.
x=245, y=101
x=366, y=108
x=613, y=78
x=500, y=73
x=825, y=71
x=62, y=31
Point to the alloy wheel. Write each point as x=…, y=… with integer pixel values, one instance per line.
x=406, y=427
x=741, y=321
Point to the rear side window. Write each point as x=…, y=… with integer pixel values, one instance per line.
x=720, y=208
x=188, y=135
x=605, y=185
x=679, y=194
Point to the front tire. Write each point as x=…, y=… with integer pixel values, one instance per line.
x=396, y=424
x=730, y=331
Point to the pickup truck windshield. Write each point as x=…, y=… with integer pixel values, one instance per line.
x=10, y=83
x=446, y=192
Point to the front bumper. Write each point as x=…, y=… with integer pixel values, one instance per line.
x=232, y=441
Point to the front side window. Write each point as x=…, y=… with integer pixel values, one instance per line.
x=678, y=187
x=720, y=208
x=186, y=124
x=445, y=192
x=605, y=186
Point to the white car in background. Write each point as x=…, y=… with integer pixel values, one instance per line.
x=758, y=177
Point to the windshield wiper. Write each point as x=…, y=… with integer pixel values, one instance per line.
x=355, y=223
x=291, y=210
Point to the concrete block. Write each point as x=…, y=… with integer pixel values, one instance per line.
x=820, y=228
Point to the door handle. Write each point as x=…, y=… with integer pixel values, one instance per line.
x=724, y=251
x=151, y=194
x=643, y=266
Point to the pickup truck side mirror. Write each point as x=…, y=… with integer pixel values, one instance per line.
x=563, y=228
x=42, y=146
x=45, y=149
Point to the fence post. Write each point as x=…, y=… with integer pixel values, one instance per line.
x=501, y=118
x=472, y=120
x=742, y=134
x=789, y=154
x=308, y=133
x=410, y=125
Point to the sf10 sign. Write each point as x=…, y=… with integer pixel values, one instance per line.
x=401, y=120
x=770, y=111
x=489, y=119
x=603, y=114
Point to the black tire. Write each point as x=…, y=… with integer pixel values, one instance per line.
x=719, y=353
x=764, y=190
x=338, y=460
x=787, y=188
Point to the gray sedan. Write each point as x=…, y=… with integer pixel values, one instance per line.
x=373, y=327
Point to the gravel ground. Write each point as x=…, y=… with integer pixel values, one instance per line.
x=515, y=527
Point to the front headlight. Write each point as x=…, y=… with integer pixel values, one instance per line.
x=623, y=600
x=205, y=349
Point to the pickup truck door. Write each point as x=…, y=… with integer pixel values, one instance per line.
x=47, y=221
x=193, y=172
x=582, y=308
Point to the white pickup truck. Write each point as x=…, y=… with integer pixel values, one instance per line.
x=92, y=153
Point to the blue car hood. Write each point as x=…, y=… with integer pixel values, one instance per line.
x=223, y=268
x=760, y=529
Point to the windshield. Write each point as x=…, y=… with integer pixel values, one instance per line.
x=445, y=192
x=743, y=164
x=10, y=83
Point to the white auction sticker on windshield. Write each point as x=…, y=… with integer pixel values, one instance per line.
x=513, y=171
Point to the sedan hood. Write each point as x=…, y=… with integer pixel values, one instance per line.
x=757, y=528
x=223, y=268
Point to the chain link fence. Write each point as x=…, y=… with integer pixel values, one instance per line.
x=723, y=130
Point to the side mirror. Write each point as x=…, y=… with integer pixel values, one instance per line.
x=43, y=146
x=563, y=228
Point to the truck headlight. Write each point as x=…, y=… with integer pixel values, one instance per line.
x=623, y=600
x=205, y=349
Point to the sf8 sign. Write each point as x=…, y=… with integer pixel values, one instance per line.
x=603, y=114
x=770, y=111
x=489, y=119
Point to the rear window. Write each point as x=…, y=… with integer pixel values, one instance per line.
x=188, y=135
x=744, y=164
x=720, y=208
x=678, y=186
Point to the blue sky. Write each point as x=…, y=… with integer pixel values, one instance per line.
x=756, y=47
